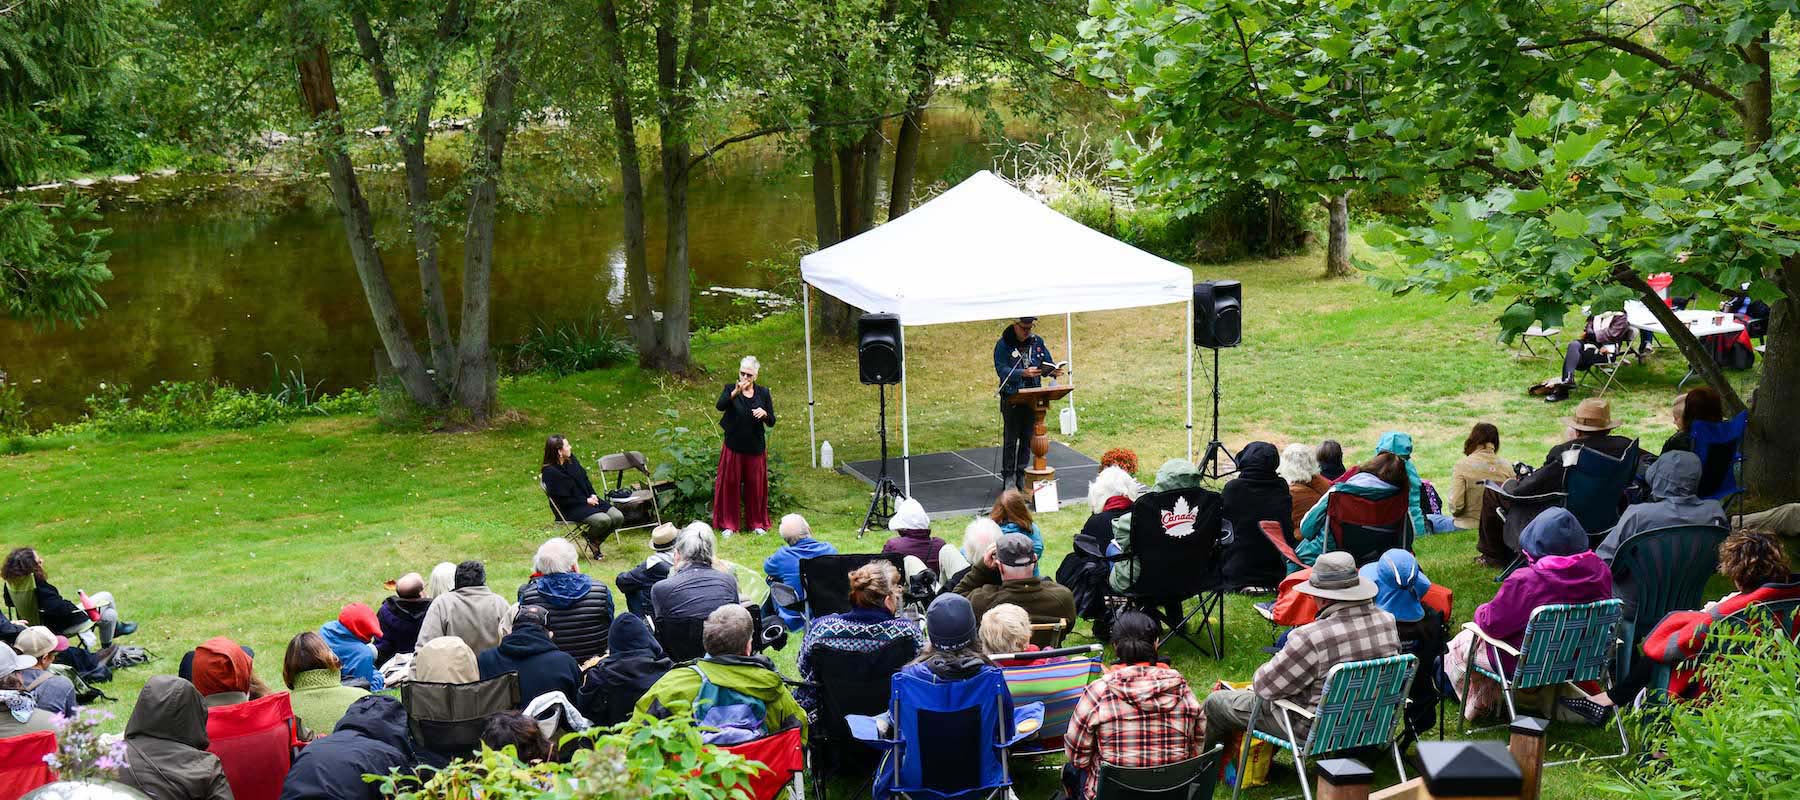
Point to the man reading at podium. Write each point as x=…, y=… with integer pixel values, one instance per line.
x=1020, y=360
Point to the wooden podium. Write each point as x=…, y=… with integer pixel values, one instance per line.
x=1039, y=399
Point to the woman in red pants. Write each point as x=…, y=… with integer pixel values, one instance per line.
x=741, y=491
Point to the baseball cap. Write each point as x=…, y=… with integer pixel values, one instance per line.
x=37, y=641
x=950, y=622
x=12, y=661
x=1015, y=550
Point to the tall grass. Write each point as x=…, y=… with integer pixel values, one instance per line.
x=570, y=346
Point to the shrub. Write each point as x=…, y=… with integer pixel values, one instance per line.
x=568, y=347
x=12, y=408
x=176, y=406
x=690, y=464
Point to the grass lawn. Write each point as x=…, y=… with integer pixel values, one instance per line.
x=261, y=534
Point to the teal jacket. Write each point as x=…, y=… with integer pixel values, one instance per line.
x=1315, y=534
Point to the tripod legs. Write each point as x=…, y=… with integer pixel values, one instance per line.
x=881, y=500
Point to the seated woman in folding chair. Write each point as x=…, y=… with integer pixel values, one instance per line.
x=1141, y=713
x=1380, y=478
x=869, y=625
x=37, y=601
x=573, y=496
x=1603, y=339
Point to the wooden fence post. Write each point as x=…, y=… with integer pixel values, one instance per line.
x=1469, y=769
x=1527, y=746
x=1343, y=779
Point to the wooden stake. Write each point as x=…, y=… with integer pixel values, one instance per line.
x=1527, y=746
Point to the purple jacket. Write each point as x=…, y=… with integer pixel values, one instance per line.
x=1580, y=578
x=918, y=543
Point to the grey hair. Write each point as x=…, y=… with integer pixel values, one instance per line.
x=751, y=365
x=727, y=631
x=555, y=555
x=696, y=544
x=978, y=538
x=1110, y=483
x=794, y=528
x=1298, y=463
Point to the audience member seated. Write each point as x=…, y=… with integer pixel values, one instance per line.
x=979, y=538
x=566, y=484
x=26, y=717
x=869, y=624
x=1783, y=519
x=1256, y=494
x=371, y=739
x=912, y=534
x=442, y=580
x=1757, y=564
x=1559, y=569
x=634, y=662
x=1700, y=404
x=311, y=671
x=528, y=651
x=1110, y=495
x=1604, y=336
x=1481, y=462
x=1591, y=426
x=1400, y=590
x=1176, y=473
x=952, y=651
x=1139, y=714
x=1012, y=511
x=1300, y=468
x=1379, y=478
x=351, y=637
x=53, y=693
x=1331, y=460
x=224, y=674
x=695, y=587
x=783, y=567
x=580, y=608
x=24, y=568
x=1006, y=629
x=165, y=745
x=400, y=617
x=1088, y=566
x=521, y=733
x=1021, y=585
x=446, y=659
x=635, y=583
x=470, y=612
x=1350, y=627
x=1673, y=480
x=730, y=667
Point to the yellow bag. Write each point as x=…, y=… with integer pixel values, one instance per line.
x=1262, y=754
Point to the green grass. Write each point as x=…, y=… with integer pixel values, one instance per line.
x=259, y=534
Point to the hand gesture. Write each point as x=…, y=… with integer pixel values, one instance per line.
x=1033, y=372
x=746, y=388
x=758, y=413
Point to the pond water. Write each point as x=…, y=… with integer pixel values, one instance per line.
x=211, y=274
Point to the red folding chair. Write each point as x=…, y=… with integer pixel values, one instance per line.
x=784, y=756
x=22, y=766
x=1271, y=530
x=255, y=743
x=1367, y=528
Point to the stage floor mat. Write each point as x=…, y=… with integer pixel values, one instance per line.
x=966, y=481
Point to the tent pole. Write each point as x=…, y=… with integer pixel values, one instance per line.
x=905, y=432
x=1188, y=337
x=1069, y=331
x=812, y=433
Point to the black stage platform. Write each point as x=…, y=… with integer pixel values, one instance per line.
x=967, y=481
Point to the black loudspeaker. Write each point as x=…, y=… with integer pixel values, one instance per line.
x=878, y=349
x=1218, y=313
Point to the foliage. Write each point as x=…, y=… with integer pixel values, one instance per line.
x=1744, y=743
x=51, y=264
x=173, y=406
x=690, y=463
x=82, y=752
x=12, y=407
x=644, y=758
x=567, y=347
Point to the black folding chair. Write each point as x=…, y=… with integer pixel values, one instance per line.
x=1192, y=779
x=825, y=580
x=850, y=682
x=1176, y=541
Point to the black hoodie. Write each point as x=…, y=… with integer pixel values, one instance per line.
x=1256, y=495
x=370, y=739
x=611, y=688
x=165, y=745
x=400, y=618
x=542, y=667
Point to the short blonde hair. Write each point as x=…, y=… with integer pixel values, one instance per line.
x=1005, y=628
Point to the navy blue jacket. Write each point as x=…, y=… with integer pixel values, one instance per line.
x=1012, y=357
x=541, y=666
x=371, y=739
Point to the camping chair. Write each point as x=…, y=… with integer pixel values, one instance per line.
x=1593, y=490
x=783, y=756
x=1547, y=337
x=680, y=637
x=22, y=766
x=944, y=739
x=1605, y=371
x=642, y=508
x=1361, y=705
x=23, y=593
x=1367, y=528
x=574, y=530
x=1049, y=632
x=1271, y=530
x=825, y=580
x=1719, y=446
x=1184, y=780
x=445, y=719
x=1669, y=568
x=1058, y=685
x=255, y=743
x=1176, y=541
x=1563, y=644
x=1775, y=618
x=849, y=682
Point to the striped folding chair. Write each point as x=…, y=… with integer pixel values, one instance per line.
x=1564, y=645
x=1058, y=685
x=1362, y=706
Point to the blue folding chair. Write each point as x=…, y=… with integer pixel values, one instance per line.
x=1719, y=445
x=1563, y=644
x=946, y=739
x=1362, y=705
x=1595, y=487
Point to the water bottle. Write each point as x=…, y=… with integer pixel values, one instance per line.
x=825, y=454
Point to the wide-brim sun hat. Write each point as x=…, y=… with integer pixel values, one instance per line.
x=1335, y=577
x=1592, y=415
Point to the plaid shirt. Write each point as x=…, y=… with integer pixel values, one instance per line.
x=1344, y=632
x=1141, y=715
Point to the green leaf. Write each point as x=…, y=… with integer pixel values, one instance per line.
x=1516, y=318
x=1567, y=224
x=1315, y=83
x=1516, y=156
x=1336, y=46
x=1707, y=173
x=1566, y=113
x=1529, y=200
x=1575, y=147
x=1527, y=127
x=1742, y=177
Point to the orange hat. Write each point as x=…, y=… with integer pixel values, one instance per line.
x=360, y=620
x=220, y=665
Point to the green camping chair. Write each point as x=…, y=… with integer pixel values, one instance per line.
x=23, y=593
x=1362, y=706
x=1669, y=568
x=1564, y=644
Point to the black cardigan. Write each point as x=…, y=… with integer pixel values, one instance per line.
x=568, y=488
x=744, y=432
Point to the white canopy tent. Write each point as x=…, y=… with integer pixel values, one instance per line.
x=984, y=250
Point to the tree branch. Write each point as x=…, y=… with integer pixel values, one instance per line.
x=793, y=128
x=1622, y=44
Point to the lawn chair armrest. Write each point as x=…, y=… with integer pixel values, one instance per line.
x=1526, y=499
x=1482, y=635
x=1294, y=709
x=1029, y=717
x=868, y=730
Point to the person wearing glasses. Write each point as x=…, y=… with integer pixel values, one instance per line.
x=1021, y=359
x=741, y=491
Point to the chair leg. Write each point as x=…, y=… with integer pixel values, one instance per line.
x=1244, y=748
x=1399, y=765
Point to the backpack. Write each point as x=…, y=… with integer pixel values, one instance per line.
x=126, y=655
x=85, y=664
x=727, y=716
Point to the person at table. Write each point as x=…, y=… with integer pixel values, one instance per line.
x=1591, y=426
x=1604, y=336
x=1021, y=359
x=741, y=491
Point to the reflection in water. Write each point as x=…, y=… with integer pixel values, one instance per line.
x=205, y=285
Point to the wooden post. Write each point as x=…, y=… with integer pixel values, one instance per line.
x=1469, y=769
x=1527, y=746
x=1343, y=779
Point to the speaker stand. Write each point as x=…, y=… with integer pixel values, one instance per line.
x=1212, y=465
x=881, y=499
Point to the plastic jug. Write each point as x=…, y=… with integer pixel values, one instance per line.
x=825, y=454
x=1067, y=419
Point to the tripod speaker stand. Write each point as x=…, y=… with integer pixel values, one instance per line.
x=1217, y=454
x=881, y=499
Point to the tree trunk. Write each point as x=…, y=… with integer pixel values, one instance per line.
x=1773, y=439
x=319, y=94
x=850, y=172
x=1697, y=355
x=631, y=189
x=871, y=177
x=1758, y=113
x=674, y=70
x=834, y=314
x=475, y=372
x=912, y=124
x=1337, y=244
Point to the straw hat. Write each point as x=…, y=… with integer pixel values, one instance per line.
x=1592, y=414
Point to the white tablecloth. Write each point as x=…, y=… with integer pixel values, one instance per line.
x=1701, y=323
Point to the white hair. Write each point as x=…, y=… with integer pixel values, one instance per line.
x=1110, y=483
x=794, y=528
x=751, y=365
x=555, y=555
x=1298, y=463
x=442, y=581
x=696, y=545
x=979, y=538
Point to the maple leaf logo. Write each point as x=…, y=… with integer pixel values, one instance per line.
x=1179, y=521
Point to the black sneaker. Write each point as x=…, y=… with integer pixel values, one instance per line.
x=125, y=629
x=1593, y=712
